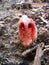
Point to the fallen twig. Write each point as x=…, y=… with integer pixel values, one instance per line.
x=46, y=46
x=39, y=53
x=45, y=21
x=28, y=51
x=46, y=49
x=23, y=54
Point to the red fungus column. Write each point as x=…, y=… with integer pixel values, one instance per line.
x=27, y=30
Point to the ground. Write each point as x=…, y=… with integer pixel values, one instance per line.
x=11, y=49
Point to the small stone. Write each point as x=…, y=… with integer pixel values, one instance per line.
x=7, y=20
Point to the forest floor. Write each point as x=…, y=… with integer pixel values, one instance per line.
x=12, y=52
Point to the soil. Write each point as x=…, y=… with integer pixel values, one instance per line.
x=10, y=44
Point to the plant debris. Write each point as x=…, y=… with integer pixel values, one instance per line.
x=12, y=52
